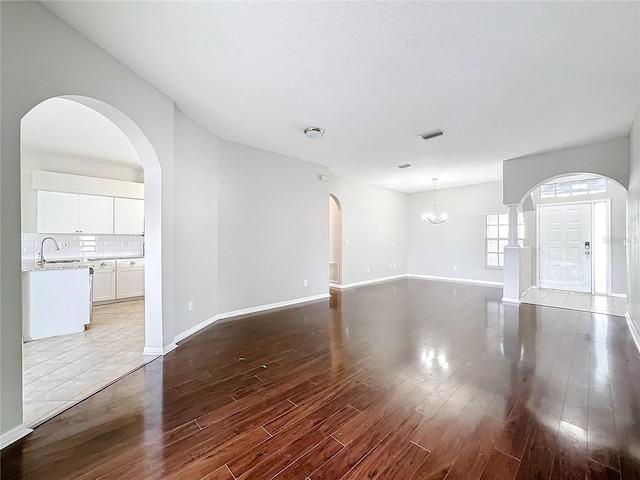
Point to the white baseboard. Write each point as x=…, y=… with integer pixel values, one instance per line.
x=456, y=280
x=197, y=328
x=635, y=334
x=168, y=348
x=270, y=306
x=510, y=300
x=368, y=282
x=14, y=435
x=157, y=351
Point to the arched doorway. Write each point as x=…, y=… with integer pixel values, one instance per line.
x=148, y=242
x=579, y=230
x=335, y=240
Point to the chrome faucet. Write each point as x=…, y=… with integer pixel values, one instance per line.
x=42, y=261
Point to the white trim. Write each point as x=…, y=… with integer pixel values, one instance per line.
x=510, y=300
x=14, y=435
x=159, y=351
x=456, y=280
x=152, y=351
x=197, y=328
x=260, y=308
x=635, y=334
x=619, y=295
x=169, y=348
x=368, y=282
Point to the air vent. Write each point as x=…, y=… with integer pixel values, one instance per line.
x=431, y=134
x=404, y=165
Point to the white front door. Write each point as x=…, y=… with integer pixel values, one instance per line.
x=565, y=247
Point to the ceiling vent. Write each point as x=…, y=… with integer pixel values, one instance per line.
x=431, y=134
x=404, y=165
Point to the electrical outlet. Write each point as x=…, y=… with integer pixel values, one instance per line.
x=305, y=283
x=346, y=243
x=368, y=269
x=190, y=305
x=455, y=268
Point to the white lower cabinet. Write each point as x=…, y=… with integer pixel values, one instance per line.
x=130, y=278
x=118, y=279
x=104, y=280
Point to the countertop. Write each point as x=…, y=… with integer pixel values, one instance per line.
x=115, y=257
x=82, y=263
x=35, y=267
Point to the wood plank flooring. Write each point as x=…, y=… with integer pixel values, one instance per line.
x=409, y=380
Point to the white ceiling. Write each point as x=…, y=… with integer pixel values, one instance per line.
x=70, y=128
x=503, y=79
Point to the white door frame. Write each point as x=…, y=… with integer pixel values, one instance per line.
x=576, y=202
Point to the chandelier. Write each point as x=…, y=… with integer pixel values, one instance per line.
x=434, y=217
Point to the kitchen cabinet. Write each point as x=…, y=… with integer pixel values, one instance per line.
x=95, y=214
x=130, y=278
x=74, y=213
x=57, y=212
x=55, y=302
x=129, y=216
x=104, y=280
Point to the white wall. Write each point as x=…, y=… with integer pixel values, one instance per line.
x=633, y=226
x=608, y=159
x=335, y=231
x=33, y=159
x=273, y=228
x=196, y=229
x=374, y=222
x=618, y=197
x=435, y=249
x=42, y=57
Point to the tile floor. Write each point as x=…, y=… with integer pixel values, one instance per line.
x=61, y=371
x=576, y=301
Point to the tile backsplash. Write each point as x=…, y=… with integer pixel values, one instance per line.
x=82, y=246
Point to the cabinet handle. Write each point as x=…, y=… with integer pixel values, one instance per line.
x=103, y=264
x=132, y=264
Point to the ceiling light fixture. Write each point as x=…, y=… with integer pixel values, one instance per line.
x=313, y=132
x=404, y=165
x=431, y=134
x=434, y=217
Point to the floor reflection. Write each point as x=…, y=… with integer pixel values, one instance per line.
x=405, y=379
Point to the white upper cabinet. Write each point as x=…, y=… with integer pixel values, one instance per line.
x=129, y=216
x=95, y=214
x=73, y=213
x=57, y=212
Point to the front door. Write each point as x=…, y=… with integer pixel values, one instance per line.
x=565, y=247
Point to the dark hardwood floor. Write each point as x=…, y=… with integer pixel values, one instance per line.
x=408, y=379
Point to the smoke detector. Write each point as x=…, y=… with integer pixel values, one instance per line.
x=313, y=132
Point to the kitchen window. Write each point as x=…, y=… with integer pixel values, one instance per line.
x=497, y=235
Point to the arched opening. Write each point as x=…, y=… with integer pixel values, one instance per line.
x=579, y=230
x=83, y=165
x=335, y=240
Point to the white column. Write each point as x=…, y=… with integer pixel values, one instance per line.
x=513, y=225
